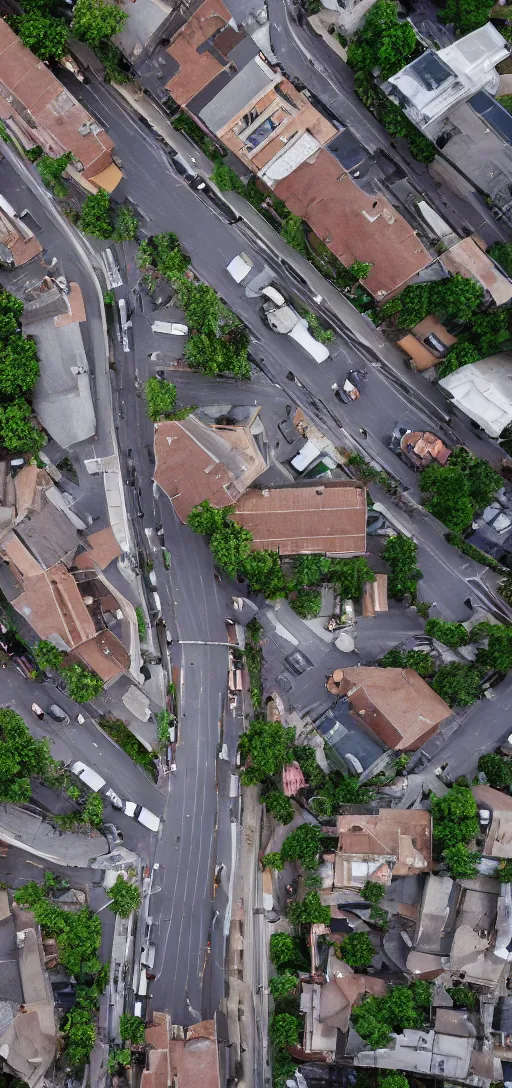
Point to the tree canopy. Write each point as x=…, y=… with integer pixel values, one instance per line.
x=96, y=216
x=449, y=633
x=19, y=365
x=132, y=1029
x=160, y=398
x=461, y=862
x=402, y=1007
x=81, y=684
x=41, y=32
x=383, y=41
x=418, y=660
x=497, y=770
x=458, y=684
x=125, y=897
x=284, y=951
x=277, y=803
x=264, y=574
x=303, y=845
x=400, y=554
x=20, y=757
x=454, y=817
x=95, y=20
x=230, y=543
x=357, y=950
x=452, y=299
x=19, y=371
x=282, y=985
x=306, y=603
x=466, y=15
x=266, y=747
x=47, y=656
x=17, y=432
x=284, y=1029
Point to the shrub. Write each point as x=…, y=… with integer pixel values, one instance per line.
x=284, y=1029
x=497, y=770
x=400, y=554
x=282, y=985
x=273, y=860
x=160, y=398
x=119, y=732
x=141, y=622
x=47, y=656
x=279, y=805
x=132, y=1029
x=303, y=845
x=463, y=997
x=458, y=684
x=454, y=817
x=372, y=892
x=266, y=747
x=82, y=685
x=283, y=951
x=450, y=634
x=463, y=865
x=306, y=603
x=125, y=898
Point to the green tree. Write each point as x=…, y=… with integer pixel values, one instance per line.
x=456, y=298
x=449, y=633
x=372, y=892
x=371, y=1022
x=11, y=309
x=357, y=950
x=80, y=1033
x=273, y=860
x=163, y=253
x=447, y=496
x=160, y=398
x=21, y=757
x=279, y=805
x=226, y=179
x=466, y=15
x=400, y=554
x=303, y=845
x=501, y=252
x=266, y=747
x=126, y=224
x=51, y=171
x=81, y=684
x=282, y=985
x=463, y=865
x=309, y=570
x=283, y=951
x=454, y=817
x=480, y=631
x=418, y=660
x=497, y=770
x=206, y=520
x=17, y=433
x=47, y=656
x=125, y=897
x=382, y=42
x=482, y=479
x=350, y=575
x=93, y=810
x=461, y=354
x=264, y=574
x=132, y=1029
x=307, y=603
x=393, y=1080
x=458, y=684
x=96, y=217
x=498, y=654
x=19, y=365
x=284, y=1029
x=41, y=32
x=310, y=911
x=230, y=547
x=95, y=20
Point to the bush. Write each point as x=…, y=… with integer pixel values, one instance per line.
x=95, y=20
x=264, y=574
x=160, y=398
x=402, y=1007
x=418, y=660
x=450, y=634
x=284, y=951
x=126, y=224
x=21, y=757
x=282, y=985
x=372, y=892
x=253, y=660
x=463, y=865
x=463, y=997
x=92, y=812
x=141, y=622
x=96, y=217
x=119, y=732
x=125, y=898
x=306, y=603
x=505, y=872
x=284, y=1030
x=47, y=656
x=226, y=179
x=357, y=950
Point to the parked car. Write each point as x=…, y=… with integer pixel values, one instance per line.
x=95, y=782
x=173, y=328
x=143, y=815
x=58, y=714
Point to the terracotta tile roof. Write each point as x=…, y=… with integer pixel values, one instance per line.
x=196, y=69
x=405, y=834
x=28, y=83
x=104, y=549
x=104, y=654
x=196, y=462
x=354, y=225
x=327, y=517
x=397, y=705
x=52, y=604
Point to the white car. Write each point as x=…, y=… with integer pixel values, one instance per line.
x=172, y=328
x=143, y=815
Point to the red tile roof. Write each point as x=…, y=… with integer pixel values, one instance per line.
x=327, y=517
x=354, y=226
x=28, y=84
x=196, y=69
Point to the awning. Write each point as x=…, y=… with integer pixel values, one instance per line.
x=108, y=179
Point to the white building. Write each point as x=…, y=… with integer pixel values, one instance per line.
x=431, y=86
x=350, y=13
x=483, y=391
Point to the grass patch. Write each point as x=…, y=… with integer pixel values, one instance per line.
x=118, y=731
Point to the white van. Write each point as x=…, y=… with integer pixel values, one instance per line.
x=90, y=777
x=143, y=815
x=302, y=336
x=239, y=267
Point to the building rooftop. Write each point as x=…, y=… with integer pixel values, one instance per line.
x=352, y=224
x=467, y=258
x=197, y=66
x=104, y=548
x=48, y=535
x=248, y=85
x=62, y=395
x=397, y=705
x=26, y=84
x=328, y=517
x=393, y=842
x=195, y=462
x=483, y=391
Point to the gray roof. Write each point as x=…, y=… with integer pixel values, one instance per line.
x=48, y=534
x=62, y=399
x=50, y=304
x=30, y=832
x=246, y=85
x=342, y=733
x=243, y=53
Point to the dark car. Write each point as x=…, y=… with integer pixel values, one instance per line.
x=58, y=714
